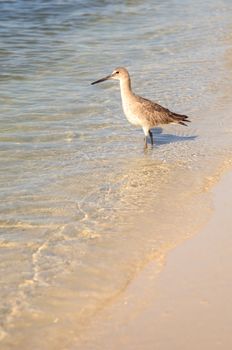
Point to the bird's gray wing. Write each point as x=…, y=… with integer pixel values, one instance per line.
x=155, y=113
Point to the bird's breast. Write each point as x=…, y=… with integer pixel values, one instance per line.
x=131, y=114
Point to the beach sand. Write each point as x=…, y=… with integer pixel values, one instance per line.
x=186, y=305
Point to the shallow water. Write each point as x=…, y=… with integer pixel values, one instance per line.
x=83, y=208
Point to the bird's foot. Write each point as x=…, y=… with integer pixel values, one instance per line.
x=146, y=144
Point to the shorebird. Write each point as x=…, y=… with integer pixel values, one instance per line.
x=140, y=111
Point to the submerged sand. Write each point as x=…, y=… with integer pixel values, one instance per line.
x=185, y=306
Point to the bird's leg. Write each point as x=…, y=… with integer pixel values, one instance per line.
x=145, y=142
x=151, y=137
x=145, y=130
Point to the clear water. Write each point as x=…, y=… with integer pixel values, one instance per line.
x=83, y=208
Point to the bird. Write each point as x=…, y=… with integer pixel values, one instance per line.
x=140, y=111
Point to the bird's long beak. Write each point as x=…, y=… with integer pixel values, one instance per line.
x=100, y=80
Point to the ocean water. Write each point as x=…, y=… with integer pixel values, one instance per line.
x=83, y=207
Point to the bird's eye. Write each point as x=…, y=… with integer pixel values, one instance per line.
x=117, y=72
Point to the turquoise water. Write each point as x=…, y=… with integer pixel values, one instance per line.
x=83, y=208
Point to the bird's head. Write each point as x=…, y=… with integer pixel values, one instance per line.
x=119, y=73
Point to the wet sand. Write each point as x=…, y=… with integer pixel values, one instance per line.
x=189, y=305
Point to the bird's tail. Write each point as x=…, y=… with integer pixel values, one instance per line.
x=180, y=119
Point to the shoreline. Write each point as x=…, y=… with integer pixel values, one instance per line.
x=186, y=305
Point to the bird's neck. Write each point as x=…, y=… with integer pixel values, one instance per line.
x=125, y=87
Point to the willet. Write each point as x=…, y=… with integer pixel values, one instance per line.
x=140, y=111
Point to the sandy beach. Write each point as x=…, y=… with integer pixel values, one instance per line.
x=105, y=245
x=189, y=305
